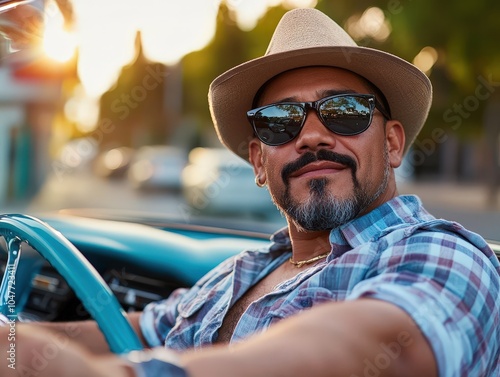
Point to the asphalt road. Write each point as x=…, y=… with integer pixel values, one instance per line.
x=465, y=204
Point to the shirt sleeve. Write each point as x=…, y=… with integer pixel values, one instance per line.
x=158, y=318
x=451, y=290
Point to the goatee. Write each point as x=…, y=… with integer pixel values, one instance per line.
x=323, y=210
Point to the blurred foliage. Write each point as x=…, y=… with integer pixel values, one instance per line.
x=464, y=33
x=133, y=106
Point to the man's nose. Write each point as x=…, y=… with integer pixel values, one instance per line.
x=314, y=135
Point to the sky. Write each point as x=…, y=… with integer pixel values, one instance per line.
x=105, y=31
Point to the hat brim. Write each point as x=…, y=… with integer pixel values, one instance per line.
x=407, y=89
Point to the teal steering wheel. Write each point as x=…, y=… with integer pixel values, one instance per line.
x=81, y=276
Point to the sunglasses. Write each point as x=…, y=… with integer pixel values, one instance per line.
x=343, y=114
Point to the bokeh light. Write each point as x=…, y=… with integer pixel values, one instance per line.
x=426, y=59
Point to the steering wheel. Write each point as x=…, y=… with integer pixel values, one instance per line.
x=80, y=275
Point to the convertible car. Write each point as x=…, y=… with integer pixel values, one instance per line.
x=71, y=266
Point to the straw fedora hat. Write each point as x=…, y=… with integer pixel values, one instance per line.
x=307, y=37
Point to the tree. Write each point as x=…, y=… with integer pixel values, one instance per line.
x=463, y=33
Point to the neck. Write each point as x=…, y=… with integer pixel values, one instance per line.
x=308, y=244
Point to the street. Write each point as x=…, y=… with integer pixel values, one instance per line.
x=465, y=204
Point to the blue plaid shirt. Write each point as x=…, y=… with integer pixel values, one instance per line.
x=445, y=277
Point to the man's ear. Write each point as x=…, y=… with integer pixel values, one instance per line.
x=255, y=158
x=395, y=139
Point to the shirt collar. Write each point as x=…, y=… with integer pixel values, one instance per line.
x=397, y=212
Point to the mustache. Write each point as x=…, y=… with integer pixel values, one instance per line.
x=321, y=155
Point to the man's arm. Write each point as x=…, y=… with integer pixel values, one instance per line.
x=87, y=333
x=358, y=338
x=32, y=350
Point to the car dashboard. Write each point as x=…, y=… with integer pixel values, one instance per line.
x=51, y=298
x=139, y=262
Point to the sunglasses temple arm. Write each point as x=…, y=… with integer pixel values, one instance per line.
x=381, y=108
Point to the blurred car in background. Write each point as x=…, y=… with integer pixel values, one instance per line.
x=216, y=181
x=157, y=167
x=113, y=163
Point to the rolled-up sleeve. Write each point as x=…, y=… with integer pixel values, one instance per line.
x=450, y=289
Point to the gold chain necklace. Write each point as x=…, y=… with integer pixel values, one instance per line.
x=300, y=263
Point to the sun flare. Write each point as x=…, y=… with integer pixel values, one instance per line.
x=59, y=44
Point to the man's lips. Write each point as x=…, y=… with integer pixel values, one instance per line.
x=318, y=168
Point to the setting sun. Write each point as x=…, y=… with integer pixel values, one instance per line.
x=58, y=43
x=105, y=32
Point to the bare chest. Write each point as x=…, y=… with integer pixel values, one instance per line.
x=259, y=290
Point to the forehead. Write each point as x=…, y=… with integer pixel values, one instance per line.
x=307, y=84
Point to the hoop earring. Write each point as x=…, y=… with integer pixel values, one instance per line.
x=258, y=183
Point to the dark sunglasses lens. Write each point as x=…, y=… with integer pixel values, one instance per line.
x=278, y=124
x=346, y=115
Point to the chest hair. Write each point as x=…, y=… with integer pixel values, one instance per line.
x=262, y=288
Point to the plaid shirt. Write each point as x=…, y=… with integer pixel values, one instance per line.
x=445, y=277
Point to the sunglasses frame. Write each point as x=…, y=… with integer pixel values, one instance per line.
x=315, y=105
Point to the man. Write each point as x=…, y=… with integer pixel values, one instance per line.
x=362, y=282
